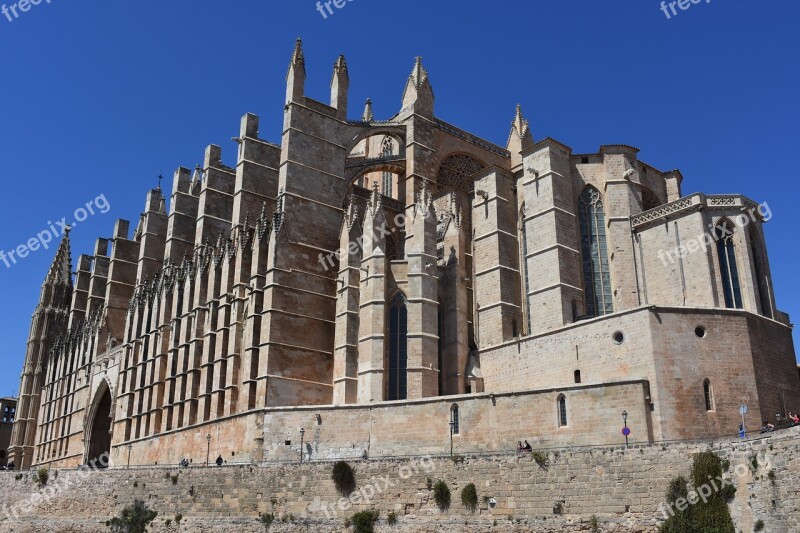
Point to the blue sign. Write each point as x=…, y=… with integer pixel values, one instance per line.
x=626, y=431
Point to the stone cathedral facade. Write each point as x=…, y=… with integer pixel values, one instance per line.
x=389, y=286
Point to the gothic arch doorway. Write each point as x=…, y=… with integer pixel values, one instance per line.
x=99, y=431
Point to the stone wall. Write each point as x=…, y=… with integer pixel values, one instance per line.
x=621, y=487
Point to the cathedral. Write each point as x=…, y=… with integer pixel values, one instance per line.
x=402, y=286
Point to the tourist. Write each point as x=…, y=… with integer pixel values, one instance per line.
x=520, y=447
x=528, y=447
x=10, y=465
x=795, y=419
x=220, y=461
x=767, y=427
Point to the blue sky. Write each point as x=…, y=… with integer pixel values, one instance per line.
x=100, y=97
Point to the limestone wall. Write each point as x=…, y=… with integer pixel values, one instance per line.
x=621, y=487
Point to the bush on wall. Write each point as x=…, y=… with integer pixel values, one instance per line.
x=344, y=478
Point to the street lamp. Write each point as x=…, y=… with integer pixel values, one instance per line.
x=208, y=448
x=130, y=447
x=625, y=431
x=302, y=435
x=452, y=427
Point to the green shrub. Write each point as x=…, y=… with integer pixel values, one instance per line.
x=391, y=518
x=711, y=515
x=364, y=521
x=344, y=478
x=441, y=495
x=469, y=497
x=266, y=520
x=759, y=526
x=175, y=479
x=42, y=475
x=168, y=522
x=558, y=508
x=540, y=458
x=178, y=519
x=594, y=524
x=133, y=519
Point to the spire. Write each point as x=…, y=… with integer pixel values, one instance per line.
x=340, y=85
x=418, y=92
x=340, y=67
x=298, y=59
x=61, y=269
x=296, y=77
x=368, y=116
x=419, y=75
x=520, y=137
x=351, y=214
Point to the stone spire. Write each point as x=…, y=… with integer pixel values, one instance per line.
x=49, y=323
x=368, y=116
x=520, y=137
x=418, y=92
x=340, y=84
x=61, y=268
x=296, y=77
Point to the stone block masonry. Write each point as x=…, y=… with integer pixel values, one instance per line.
x=621, y=487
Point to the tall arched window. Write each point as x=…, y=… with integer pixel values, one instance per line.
x=454, y=422
x=727, y=265
x=596, y=276
x=708, y=394
x=526, y=283
x=398, y=348
x=387, y=150
x=562, y=410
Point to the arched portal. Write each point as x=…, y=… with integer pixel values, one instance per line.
x=100, y=430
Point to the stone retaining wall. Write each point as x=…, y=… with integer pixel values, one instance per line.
x=621, y=487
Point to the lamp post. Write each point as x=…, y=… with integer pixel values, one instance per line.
x=130, y=447
x=452, y=426
x=208, y=448
x=624, y=431
x=302, y=435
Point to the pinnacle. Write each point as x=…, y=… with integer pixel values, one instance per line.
x=61, y=268
x=419, y=75
x=298, y=59
x=368, y=116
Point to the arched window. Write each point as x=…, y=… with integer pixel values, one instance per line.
x=398, y=348
x=708, y=394
x=596, y=276
x=762, y=280
x=727, y=265
x=387, y=150
x=562, y=410
x=526, y=282
x=577, y=376
x=454, y=421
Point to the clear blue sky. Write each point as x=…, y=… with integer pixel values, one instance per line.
x=100, y=97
